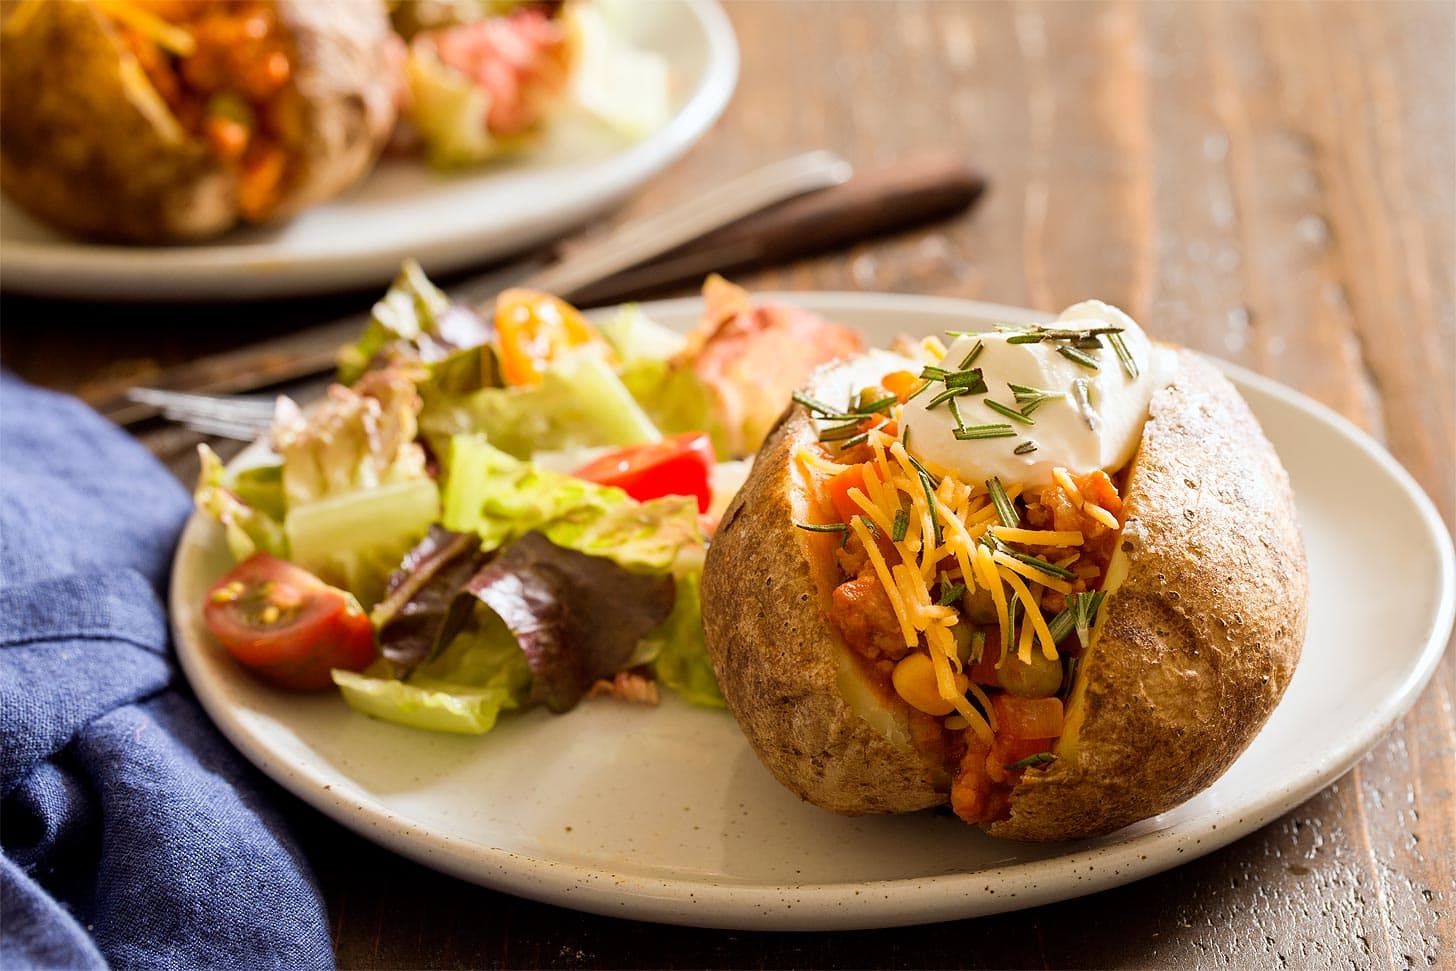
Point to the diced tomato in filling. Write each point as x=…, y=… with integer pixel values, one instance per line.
x=983, y=775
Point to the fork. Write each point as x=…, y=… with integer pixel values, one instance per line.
x=759, y=218
x=240, y=417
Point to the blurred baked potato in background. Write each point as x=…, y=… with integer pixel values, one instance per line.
x=168, y=120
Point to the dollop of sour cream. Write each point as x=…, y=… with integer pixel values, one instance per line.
x=1091, y=418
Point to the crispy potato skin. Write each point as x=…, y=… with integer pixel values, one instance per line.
x=76, y=152
x=765, y=597
x=1198, y=643
x=1201, y=637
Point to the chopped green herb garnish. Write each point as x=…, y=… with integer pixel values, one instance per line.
x=1082, y=391
x=1008, y=630
x=1030, y=398
x=968, y=433
x=970, y=358
x=1061, y=625
x=1081, y=357
x=930, y=504
x=901, y=525
x=859, y=439
x=905, y=437
x=932, y=373
x=1119, y=345
x=1025, y=448
x=824, y=527
x=1084, y=614
x=970, y=379
x=875, y=407
x=870, y=525
x=1008, y=412
x=839, y=432
x=1036, y=333
x=950, y=593
x=955, y=413
x=1005, y=511
x=1051, y=569
x=814, y=405
x=922, y=469
x=945, y=395
x=1040, y=758
x=1069, y=676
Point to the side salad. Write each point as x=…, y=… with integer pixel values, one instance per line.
x=494, y=510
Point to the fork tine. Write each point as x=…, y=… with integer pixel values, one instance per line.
x=241, y=431
x=182, y=404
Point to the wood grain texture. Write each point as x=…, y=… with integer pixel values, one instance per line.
x=1273, y=183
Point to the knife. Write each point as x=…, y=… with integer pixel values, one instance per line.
x=611, y=269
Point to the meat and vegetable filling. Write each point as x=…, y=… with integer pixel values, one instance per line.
x=221, y=69
x=968, y=602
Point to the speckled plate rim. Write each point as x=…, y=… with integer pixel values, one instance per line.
x=1085, y=868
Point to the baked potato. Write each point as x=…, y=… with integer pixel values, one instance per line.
x=164, y=120
x=1163, y=625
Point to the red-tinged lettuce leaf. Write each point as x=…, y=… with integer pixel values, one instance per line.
x=578, y=618
x=409, y=619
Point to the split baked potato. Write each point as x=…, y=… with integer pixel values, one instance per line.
x=165, y=120
x=1177, y=620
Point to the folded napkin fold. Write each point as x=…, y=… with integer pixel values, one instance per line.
x=133, y=835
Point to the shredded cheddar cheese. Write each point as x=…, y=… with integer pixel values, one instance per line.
x=169, y=37
x=1038, y=537
x=1101, y=515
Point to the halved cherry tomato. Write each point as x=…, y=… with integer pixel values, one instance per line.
x=676, y=466
x=532, y=328
x=286, y=625
x=1027, y=717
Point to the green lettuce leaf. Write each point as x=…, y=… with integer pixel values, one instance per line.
x=417, y=322
x=248, y=504
x=580, y=402
x=354, y=481
x=463, y=689
x=679, y=652
x=499, y=497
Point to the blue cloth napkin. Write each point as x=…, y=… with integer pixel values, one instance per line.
x=132, y=834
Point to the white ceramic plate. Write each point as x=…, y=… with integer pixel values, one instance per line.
x=664, y=814
x=404, y=208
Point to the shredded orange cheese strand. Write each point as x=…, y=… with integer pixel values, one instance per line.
x=1039, y=537
x=169, y=37
x=1101, y=515
x=882, y=570
x=1033, y=615
x=1031, y=573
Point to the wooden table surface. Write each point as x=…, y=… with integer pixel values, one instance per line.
x=1274, y=184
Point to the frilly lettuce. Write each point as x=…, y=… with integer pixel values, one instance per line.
x=580, y=402
x=354, y=481
x=499, y=497
x=417, y=322
x=462, y=689
x=248, y=504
